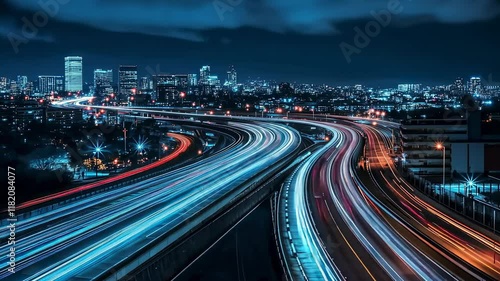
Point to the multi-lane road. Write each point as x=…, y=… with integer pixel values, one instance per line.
x=454, y=243
x=87, y=237
x=360, y=241
x=346, y=222
x=183, y=141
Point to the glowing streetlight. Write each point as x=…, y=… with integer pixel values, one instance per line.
x=440, y=146
x=98, y=148
x=182, y=95
x=141, y=145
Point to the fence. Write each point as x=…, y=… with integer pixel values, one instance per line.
x=450, y=195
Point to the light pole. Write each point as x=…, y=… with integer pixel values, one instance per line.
x=440, y=146
x=182, y=98
x=124, y=138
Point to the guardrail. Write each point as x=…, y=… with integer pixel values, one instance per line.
x=485, y=214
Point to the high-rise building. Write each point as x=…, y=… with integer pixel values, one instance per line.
x=213, y=80
x=103, y=80
x=28, y=90
x=3, y=83
x=176, y=83
x=204, y=74
x=193, y=80
x=144, y=83
x=127, y=76
x=182, y=81
x=14, y=87
x=232, y=76
x=475, y=85
x=458, y=86
x=163, y=79
x=73, y=74
x=22, y=81
x=49, y=83
x=409, y=87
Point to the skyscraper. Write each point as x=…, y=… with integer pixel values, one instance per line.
x=103, y=80
x=459, y=85
x=50, y=83
x=22, y=81
x=127, y=79
x=3, y=83
x=73, y=81
x=193, y=80
x=204, y=74
x=232, y=76
x=475, y=86
x=145, y=83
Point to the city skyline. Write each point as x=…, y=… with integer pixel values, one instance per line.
x=420, y=43
x=88, y=76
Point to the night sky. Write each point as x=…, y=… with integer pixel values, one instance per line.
x=429, y=41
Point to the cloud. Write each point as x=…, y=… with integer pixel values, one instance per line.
x=187, y=19
x=10, y=30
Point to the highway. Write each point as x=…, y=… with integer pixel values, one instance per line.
x=456, y=243
x=355, y=232
x=184, y=143
x=359, y=241
x=83, y=239
x=298, y=239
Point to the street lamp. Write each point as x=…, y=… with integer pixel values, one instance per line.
x=182, y=97
x=124, y=138
x=440, y=146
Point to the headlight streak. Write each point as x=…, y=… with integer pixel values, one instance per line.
x=417, y=261
x=349, y=194
x=173, y=200
x=316, y=258
x=460, y=248
x=364, y=197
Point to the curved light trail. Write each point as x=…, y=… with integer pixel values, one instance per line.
x=183, y=141
x=333, y=175
x=456, y=241
x=73, y=240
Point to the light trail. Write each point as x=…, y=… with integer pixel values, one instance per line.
x=184, y=143
x=73, y=240
x=459, y=241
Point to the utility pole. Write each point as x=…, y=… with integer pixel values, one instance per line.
x=124, y=137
